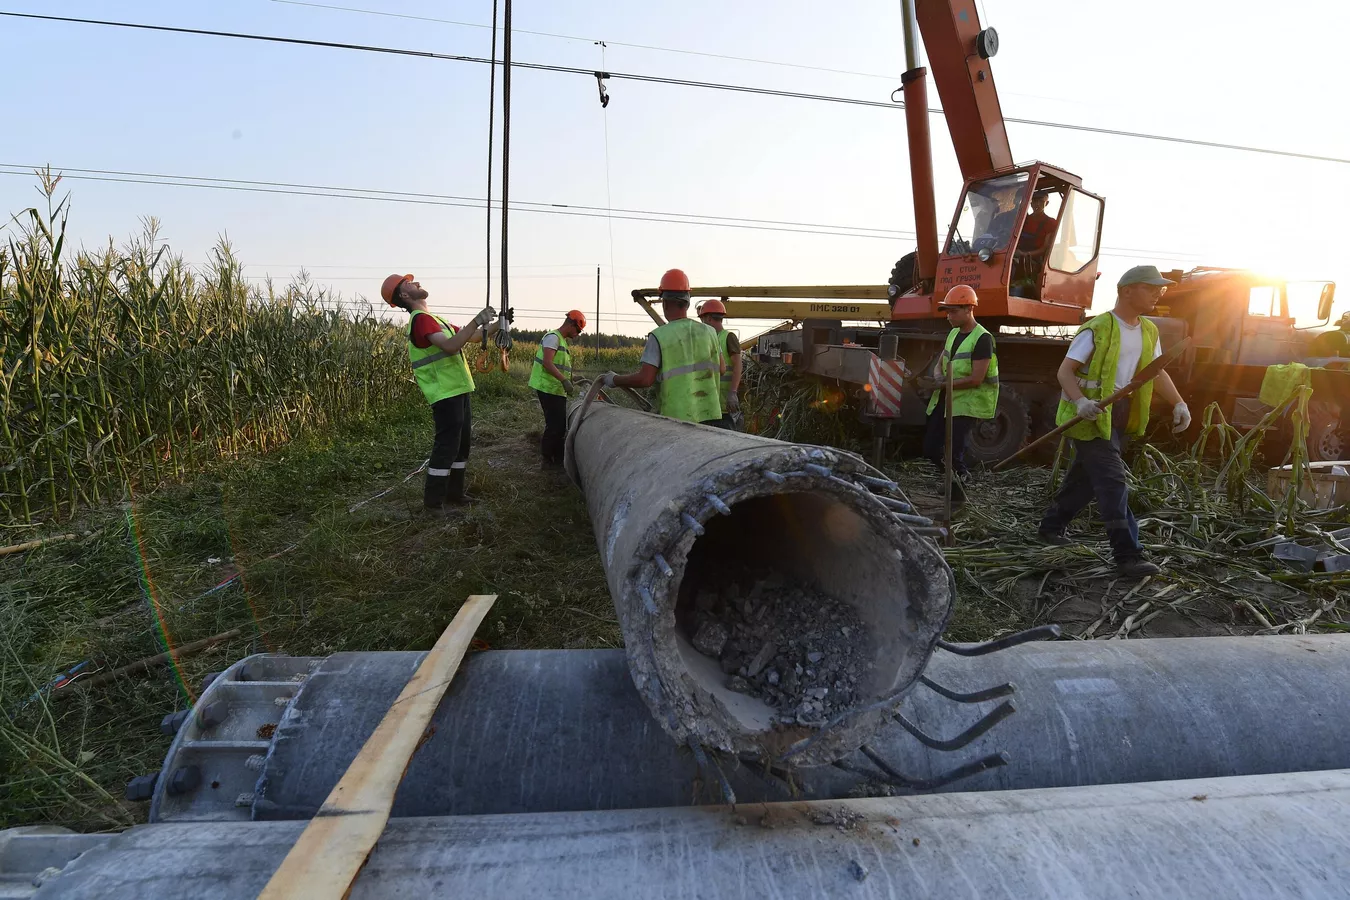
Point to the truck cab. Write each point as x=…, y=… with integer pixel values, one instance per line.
x=1027, y=240
x=1241, y=322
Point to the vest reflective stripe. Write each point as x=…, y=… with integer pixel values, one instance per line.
x=978, y=402
x=685, y=370
x=540, y=379
x=689, y=363
x=428, y=360
x=1098, y=379
x=439, y=374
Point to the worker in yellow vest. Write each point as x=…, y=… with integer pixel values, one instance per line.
x=434, y=348
x=684, y=356
x=973, y=357
x=712, y=313
x=1104, y=356
x=551, y=379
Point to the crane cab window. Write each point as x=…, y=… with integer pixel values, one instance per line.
x=1079, y=229
x=988, y=215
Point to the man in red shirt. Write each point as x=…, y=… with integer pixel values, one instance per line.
x=1038, y=229
x=434, y=349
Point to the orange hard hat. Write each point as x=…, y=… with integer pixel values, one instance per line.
x=674, y=280
x=578, y=317
x=961, y=295
x=390, y=285
x=712, y=307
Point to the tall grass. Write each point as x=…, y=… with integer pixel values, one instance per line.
x=123, y=366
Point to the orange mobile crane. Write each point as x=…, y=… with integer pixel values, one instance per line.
x=1027, y=238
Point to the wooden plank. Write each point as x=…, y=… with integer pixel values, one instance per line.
x=334, y=846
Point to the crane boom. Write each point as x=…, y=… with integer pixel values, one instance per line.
x=958, y=52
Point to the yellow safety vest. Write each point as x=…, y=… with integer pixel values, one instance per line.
x=1098, y=379
x=690, y=362
x=540, y=379
x=439, y=374
x=978, y=402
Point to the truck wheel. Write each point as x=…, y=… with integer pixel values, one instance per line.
x=1325, y=440
x=1000, y=437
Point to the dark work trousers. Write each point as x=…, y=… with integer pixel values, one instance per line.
x=724, y=422
x=935, y=439
x=450, y=451
x=553, y=440
x=1098, y=472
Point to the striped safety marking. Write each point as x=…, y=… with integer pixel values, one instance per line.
x=886, y=378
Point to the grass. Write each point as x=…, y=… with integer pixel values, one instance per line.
x=380, y=577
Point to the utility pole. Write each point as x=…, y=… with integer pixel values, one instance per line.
x=597, y=312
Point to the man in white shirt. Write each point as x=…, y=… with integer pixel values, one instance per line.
x=1103, y=357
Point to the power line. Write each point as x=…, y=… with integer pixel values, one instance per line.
x=657, y=79
x=572, y=37
x=304, y=190
x=423, y=195
x=428, y=200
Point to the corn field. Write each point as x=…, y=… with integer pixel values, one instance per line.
x=124, y=367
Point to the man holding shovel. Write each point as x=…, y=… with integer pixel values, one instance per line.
x=1104, y=356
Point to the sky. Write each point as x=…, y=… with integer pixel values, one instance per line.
x=115, y=99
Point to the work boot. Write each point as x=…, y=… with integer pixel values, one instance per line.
x=433, y=493
x=1054, y=538
x=456, y=493
x=1137, y=567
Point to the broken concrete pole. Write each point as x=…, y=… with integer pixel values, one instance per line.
x=675, y=507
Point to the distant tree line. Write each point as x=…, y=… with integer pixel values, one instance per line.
x=587, y=339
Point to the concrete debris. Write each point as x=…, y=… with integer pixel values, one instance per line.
x=843, y=819
x=710, y=638
x=858, y=870
x=1339, y=562
x=1300, y=559
x=801, y=652
x=762, y=658
x=739, y=685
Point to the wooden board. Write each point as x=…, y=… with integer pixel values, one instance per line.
x=1322, y=488
x=334, y=846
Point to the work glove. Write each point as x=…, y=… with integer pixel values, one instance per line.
x=733, y=403
x=1181, y=418
x=607, y=380
x=509, y=315
x=926, y=383
x=569, y=387
x=1087, y=408
x=484, y=317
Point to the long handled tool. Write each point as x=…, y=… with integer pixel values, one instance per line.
x=1141, y=378
x=947, y=453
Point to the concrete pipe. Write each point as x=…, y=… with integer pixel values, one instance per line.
x=532, y=731
x=1224, y=838
x=677, y=508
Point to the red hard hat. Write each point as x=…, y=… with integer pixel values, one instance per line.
x=390, y=285
x=961, y=295
x=675, y=280
x=579, y=318
x=712, y=307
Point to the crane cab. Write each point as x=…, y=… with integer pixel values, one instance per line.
x=1027, y=239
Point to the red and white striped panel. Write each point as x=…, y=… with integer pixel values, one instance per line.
x=887, y=381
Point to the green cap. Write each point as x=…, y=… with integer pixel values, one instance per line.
x=1143, y=275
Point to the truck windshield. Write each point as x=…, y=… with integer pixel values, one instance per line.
x=988, y=214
